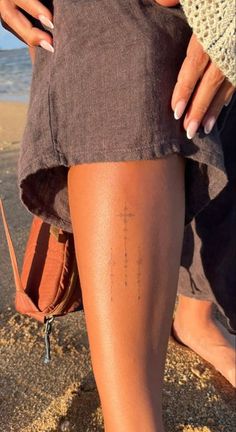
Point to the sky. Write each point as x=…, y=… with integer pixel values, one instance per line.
x=8, y=41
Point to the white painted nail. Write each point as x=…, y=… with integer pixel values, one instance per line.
x=192, y=129
x=209, y=124
x=44, y=20
x=228, y=101
x=179, y=109
x=44, y=44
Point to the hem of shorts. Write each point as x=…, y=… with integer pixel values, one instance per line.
x=148, y=153
x=197, y=295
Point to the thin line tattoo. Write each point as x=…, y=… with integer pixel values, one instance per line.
x=139, y=262
x=112, y=264
x=125, y=216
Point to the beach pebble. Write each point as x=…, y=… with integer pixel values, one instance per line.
x=65, y=426
x=198, y=371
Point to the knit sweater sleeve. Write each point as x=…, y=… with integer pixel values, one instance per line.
x=213, y=23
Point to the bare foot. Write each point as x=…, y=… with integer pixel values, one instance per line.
x=208, y=338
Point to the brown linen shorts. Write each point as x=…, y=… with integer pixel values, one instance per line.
x=104, y=96
x=208, y=262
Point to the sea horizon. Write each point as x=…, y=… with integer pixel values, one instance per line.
x=13, y=49
x=15, y=74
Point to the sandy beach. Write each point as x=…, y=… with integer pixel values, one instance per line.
x=62, y=396
x=12, y=120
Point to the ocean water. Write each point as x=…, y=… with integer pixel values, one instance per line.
x=15, y=74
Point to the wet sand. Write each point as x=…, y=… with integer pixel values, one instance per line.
x=62, y=395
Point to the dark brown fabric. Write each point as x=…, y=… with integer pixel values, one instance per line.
x=208, y=265
x=104, y=95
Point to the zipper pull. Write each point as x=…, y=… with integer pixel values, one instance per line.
x=48, y=329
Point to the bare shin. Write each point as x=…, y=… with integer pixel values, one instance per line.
x=128, y=222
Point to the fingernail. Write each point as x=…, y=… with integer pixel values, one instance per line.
x=44, y=44
x=44, y=20
x=209, y=124
x=179, y=109
x=192, y=129
x=228, y=101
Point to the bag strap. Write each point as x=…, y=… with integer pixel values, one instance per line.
x=17, y=277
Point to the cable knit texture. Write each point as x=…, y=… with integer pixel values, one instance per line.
x=213, y=22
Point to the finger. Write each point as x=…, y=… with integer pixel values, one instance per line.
x=36, y=9
x=22, y=27
x=191, y=71
x=230, y=97
x=167, y=3
x=224, y=95
x=202, y=98
x=6, y=27
x=32, y=54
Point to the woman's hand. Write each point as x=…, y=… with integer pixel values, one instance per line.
x=13, y=19
x=167, y=3
x=202, y=80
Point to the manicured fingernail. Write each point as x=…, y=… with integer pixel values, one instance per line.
x=192, y=129
x=228, y=101
x=179, y=109
x=209, y=124
x=44, y=44
x=44, y=20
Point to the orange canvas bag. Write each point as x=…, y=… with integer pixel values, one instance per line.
x=49, y=284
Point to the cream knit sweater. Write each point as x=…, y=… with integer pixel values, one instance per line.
x=213, y=22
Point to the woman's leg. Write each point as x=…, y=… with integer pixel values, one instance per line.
x=128, y=222
x=208, y=275
x=197, y=327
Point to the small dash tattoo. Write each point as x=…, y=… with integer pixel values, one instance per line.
x=125, y=216
x=139, y=262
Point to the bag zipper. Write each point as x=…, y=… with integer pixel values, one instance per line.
x=49, y=318
x=48, y=329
